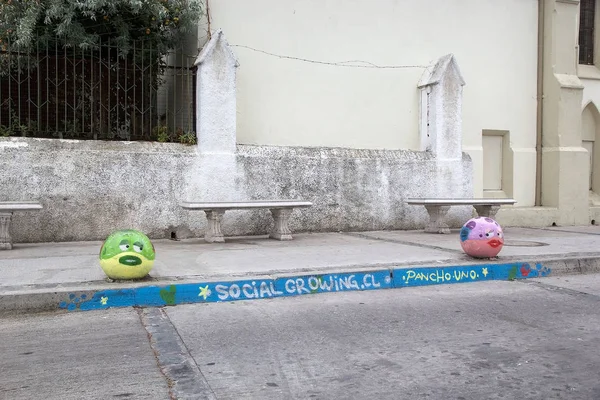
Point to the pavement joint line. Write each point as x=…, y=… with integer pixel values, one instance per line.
x=184, y=377
x=549, y=229
x=561, y=289
x=404, y=242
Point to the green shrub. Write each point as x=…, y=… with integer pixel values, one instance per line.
x=5, y=131
x=84, y=24
x=162, y=134
x=188, y=138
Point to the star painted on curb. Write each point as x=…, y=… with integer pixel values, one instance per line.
x=204, y=292
x=485, y=272
x=103, y=300
x=387, y=279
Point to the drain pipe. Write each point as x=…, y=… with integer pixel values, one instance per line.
x=540, y=103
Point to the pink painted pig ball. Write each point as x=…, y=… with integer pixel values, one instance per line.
x=481, y=237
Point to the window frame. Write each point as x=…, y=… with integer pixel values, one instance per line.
x=594, y=4
x=590, y=71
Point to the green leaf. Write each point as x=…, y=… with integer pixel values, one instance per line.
x=512, y=274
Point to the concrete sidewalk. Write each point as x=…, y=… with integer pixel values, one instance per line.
x=67, y=275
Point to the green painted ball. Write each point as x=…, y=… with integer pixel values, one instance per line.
x=127, y=254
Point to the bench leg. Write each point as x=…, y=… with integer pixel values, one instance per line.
x=487, y=211
x=281, y=230
x=437, y=219
x=213, y=232
x=5, y=239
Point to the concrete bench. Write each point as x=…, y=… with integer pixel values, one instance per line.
x=280, y=210
x=6, y=210
x=438, y=208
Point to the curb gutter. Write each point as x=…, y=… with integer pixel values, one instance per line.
x=285, y=285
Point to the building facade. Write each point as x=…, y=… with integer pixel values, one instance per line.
x=334, y=101
x=519, y=59
x=589, y=74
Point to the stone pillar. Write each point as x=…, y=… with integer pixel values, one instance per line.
x=437, y=219
x=281, y=230
x=489, y=211
x=5, y=239
x=216, y=97
x=214, y=175
x=213, y=232
x=565, y=164
x=441, y=88
x=441, y=109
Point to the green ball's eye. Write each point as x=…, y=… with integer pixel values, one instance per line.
x=137, y=247
x=124, y=245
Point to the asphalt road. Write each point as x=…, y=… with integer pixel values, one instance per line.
x=487, y=340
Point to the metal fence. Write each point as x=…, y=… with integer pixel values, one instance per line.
x=54, y=92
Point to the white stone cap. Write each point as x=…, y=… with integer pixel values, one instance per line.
x=459, y=201
x=217, y=39
x=445, y=66
x=231, y=205
x=10, y=206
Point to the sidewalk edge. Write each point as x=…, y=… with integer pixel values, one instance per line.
x=158, y=294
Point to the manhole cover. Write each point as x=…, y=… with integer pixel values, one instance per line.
x=524, y=243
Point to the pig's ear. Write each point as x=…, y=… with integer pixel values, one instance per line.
x=464, y=233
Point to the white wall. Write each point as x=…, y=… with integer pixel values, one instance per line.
x=90, y=188
x=589, y=125
x=290, y=102
x=591, y=92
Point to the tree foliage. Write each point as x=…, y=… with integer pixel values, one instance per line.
x=85, y=24
x=104, y=62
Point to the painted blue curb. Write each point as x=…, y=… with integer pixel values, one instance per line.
x=406, y=277
x=211, y=292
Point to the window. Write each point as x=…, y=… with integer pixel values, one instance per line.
x=590, y=131
x=589, y=146
x=587, y=21
x=497, y=164
x=492, y=162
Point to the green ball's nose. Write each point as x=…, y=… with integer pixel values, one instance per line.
x=130, y=260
